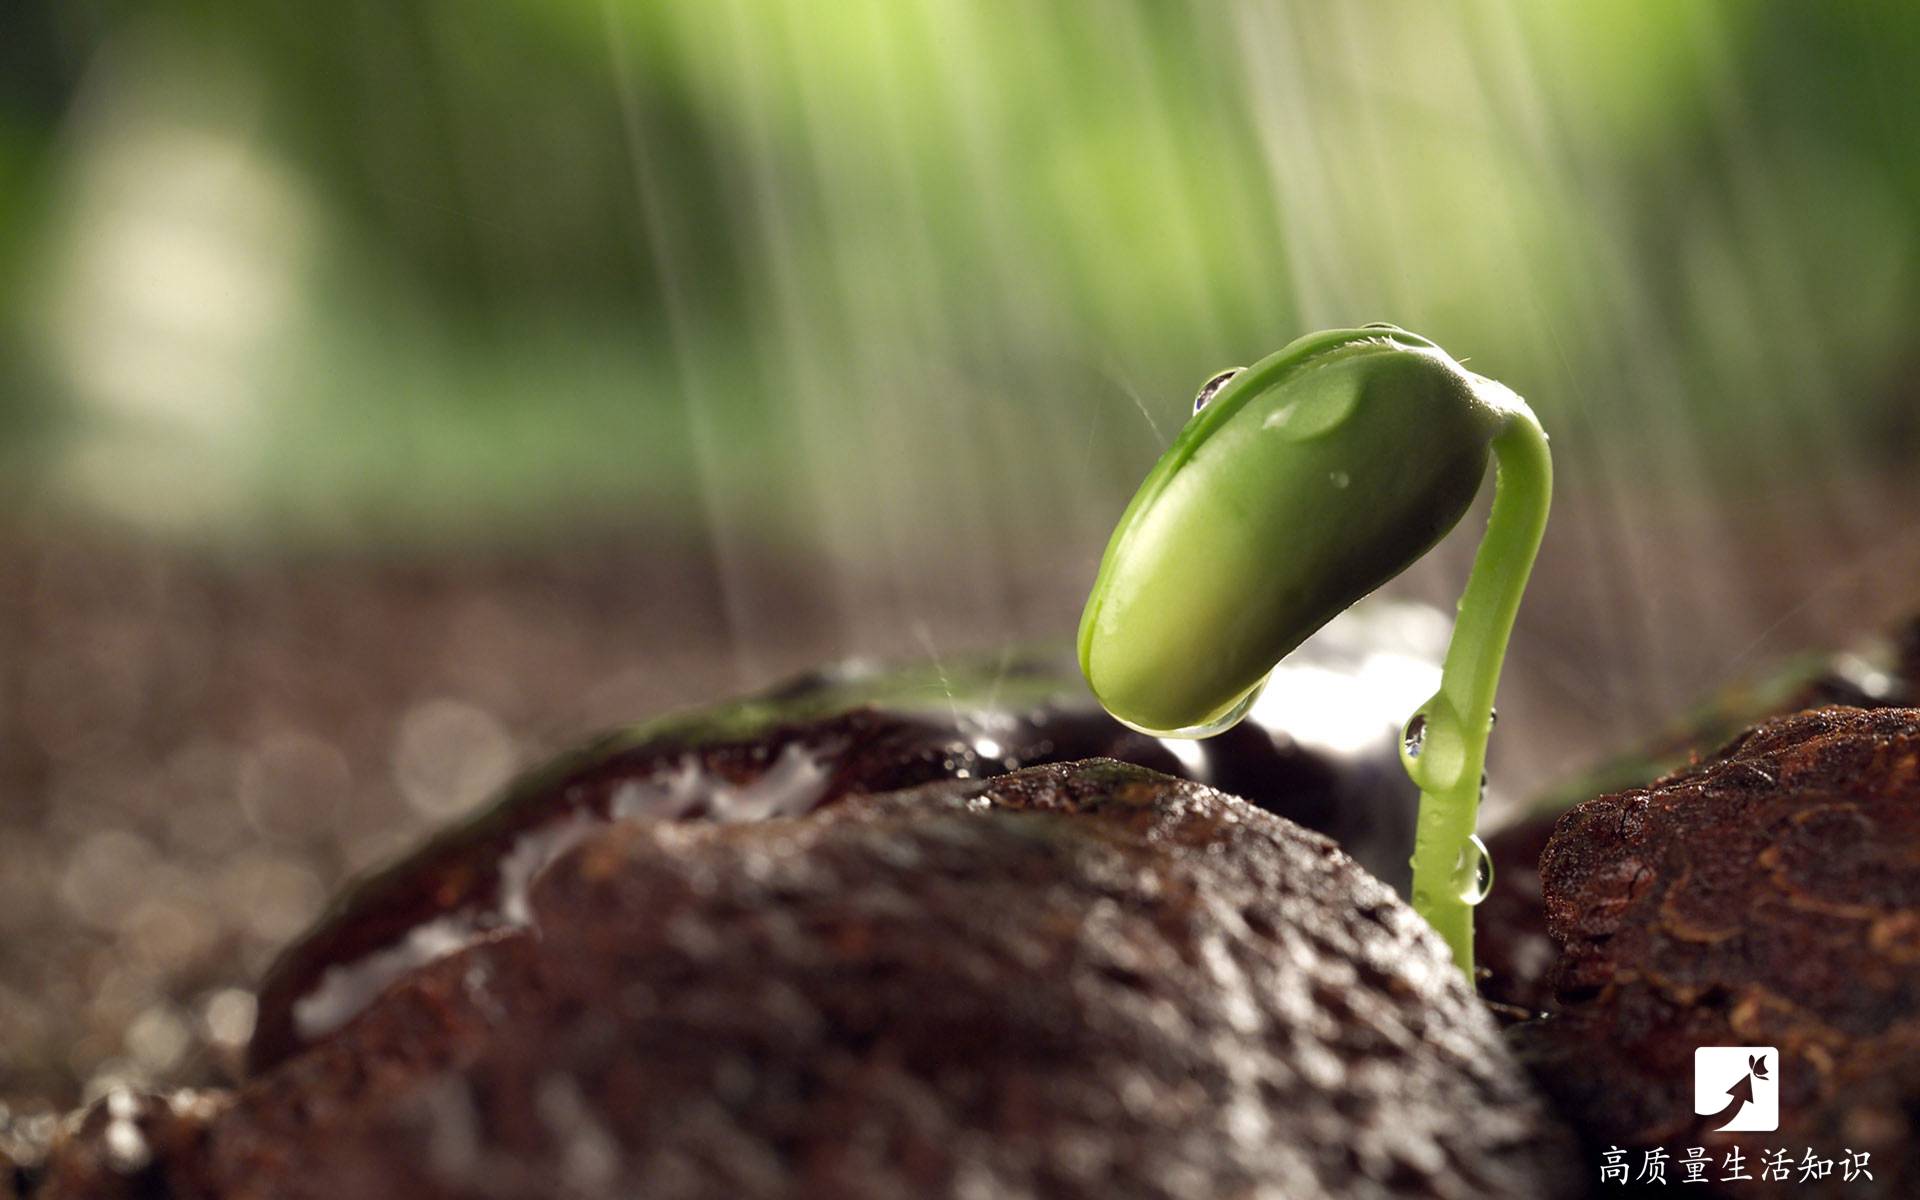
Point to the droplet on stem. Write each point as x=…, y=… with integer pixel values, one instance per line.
x=1414, y=739
x=1434, y=747
x=1473, y=871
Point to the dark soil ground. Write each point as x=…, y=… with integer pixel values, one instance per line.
x=195, y=751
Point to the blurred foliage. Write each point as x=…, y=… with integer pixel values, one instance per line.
x=852, y=275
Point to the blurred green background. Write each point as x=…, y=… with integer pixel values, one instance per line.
x=880, y=308
x=391, y=391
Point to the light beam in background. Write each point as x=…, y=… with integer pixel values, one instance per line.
x=958, y=244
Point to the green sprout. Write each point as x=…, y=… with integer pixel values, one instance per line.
x=1301, y=484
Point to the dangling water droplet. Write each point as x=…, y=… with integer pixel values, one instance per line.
x=1433, y=747
x=1339, y=479
x=1493, y=717
x=1220, y=724
x=1233, y=716
x=1473, y=871
x=1211, y=387
x=1414, y=738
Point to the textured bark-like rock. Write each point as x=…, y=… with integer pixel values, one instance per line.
x=1081, y=980
x=1514, y=951
x=1768, y=897
x=805, y=747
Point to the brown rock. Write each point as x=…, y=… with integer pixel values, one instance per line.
x=1768, y=897
x=804, y=747
x=130, y=1144
x=1080, y=980
x=1514, y=952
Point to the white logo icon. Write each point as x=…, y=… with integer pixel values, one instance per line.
x=1737, y=1088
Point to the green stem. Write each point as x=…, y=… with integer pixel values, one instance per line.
x=1453, y=750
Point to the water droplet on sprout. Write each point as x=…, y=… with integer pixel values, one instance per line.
x=1231, y=717
x=1339, y=479
x=1220, y=724
x=1211, y=387
x=1414, y=739
x=1473, y=871
x=1315, y=414
x=1433, y=748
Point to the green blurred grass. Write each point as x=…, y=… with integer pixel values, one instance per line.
x=714, y=264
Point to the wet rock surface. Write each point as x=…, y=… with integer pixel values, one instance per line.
x=1072, y=980
x=1767, y=897
x=129, y=1144
x=1515, y=954
x=850, y=731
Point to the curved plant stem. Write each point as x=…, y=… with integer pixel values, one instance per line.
x=1452, y=753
